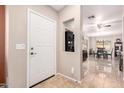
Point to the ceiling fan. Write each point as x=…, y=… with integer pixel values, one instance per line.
x=103, y=24
x=99, y=26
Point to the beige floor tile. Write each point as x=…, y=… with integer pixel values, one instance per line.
x=101, y=74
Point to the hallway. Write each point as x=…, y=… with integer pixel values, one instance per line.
x=101, y=74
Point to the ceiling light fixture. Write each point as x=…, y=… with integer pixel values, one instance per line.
x=91, y=17
x=99, y=26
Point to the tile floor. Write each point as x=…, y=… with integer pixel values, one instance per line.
x=101, y=73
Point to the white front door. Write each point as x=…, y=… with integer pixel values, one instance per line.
x=42, y=44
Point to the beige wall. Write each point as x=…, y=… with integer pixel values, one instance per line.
x=17, y=59
x=17, y=66
x=67, y=60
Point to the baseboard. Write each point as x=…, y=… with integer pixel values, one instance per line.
x=69, y=77
x=41, y=81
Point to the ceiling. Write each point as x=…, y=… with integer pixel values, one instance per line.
x=104, y=14
x=57, y=7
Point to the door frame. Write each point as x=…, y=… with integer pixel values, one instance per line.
x=123, y=43
x=28, y=41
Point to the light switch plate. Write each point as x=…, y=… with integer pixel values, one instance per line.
x=20, y=46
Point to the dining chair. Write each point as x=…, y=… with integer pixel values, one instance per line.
x=109, y=53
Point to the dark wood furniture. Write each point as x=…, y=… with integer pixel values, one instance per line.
x=85, y=55
x=118, y=47
x=2, y=44
x=90, y=51
x=121, y=62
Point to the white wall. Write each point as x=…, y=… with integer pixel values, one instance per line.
x=69, y=60
x=17, y=59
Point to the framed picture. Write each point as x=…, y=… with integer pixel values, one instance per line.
x=107, y=44
x=103, y=44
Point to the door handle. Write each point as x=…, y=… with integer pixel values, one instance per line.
x=32, y=53
x=32, y=48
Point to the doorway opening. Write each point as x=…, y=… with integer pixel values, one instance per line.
x=102, y=45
